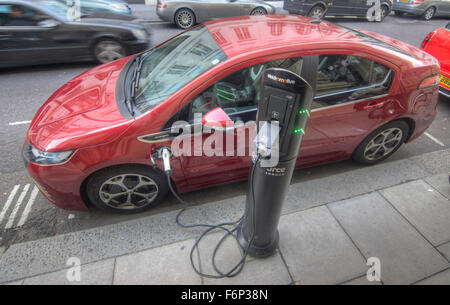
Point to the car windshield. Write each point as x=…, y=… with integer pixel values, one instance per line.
x=170, y=66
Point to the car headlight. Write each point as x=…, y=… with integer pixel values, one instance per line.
x=119, y=6
x=32, y=154
x=140, y=34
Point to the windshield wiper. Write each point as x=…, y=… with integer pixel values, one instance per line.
x=133, y=84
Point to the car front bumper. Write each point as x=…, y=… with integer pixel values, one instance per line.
x=60, y=184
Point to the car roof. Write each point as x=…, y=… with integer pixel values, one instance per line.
x=240, y=35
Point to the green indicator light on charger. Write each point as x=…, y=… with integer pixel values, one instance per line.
x=304, y=111
x=299, y=130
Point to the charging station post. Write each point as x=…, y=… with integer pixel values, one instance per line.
x=285, y=103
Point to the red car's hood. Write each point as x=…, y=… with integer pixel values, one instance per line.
x=81, y=113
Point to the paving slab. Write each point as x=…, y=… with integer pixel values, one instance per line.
x=378, y=230
x=445, y=250
x=424, y=207
x=98, y=273
x=265, y=271
x=15, y=283
x=166, y=265
x=442, y=278
x=317, y=250
x=336, y=187
x=361, y=281
x=441, y=183
x=436, y=162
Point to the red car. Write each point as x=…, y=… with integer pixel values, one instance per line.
x=437, y=43
x=91, y=143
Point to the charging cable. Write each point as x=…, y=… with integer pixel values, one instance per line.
x=229, y=227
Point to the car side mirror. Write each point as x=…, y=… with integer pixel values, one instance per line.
x=217, y=119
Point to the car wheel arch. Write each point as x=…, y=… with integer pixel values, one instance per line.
x=83, y=186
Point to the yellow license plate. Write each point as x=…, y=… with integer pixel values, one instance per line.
x=404, y=0
x=444, y=80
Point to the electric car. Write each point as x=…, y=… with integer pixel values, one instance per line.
x=437, y=43
x=92, y=143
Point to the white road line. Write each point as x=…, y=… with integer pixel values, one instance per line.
x=27, y=210
x=10, y=222
x=434, y=139
x=8, y=201
x=19, y=123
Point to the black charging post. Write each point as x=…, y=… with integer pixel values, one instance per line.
x=284, y=108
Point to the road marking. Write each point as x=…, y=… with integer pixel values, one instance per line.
x=30, y=203
x=10, y=222
x=8, y=201
x=19, y=123
x=158, y=22
x=434, y=139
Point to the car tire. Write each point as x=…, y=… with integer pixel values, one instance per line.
x=316, y=12
x=429, y=13
x=259, y=11
x=127, y=189
x=184, y=18
x=399, y=14
x=384, y=12
x=107, y=50
x=381, y=143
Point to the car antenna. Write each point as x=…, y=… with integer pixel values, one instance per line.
x=319, y=19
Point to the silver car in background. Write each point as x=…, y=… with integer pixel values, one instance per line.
x=187, y=13
x=427, y=9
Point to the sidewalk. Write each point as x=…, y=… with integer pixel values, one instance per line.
x=328, y=230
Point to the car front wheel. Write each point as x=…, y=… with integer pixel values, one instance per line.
x=126, y=189
x=381, y=143
x=108, y=50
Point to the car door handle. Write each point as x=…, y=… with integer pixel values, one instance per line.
x=372, y=106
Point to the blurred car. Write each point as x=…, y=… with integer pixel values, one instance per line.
x=336, y=8
x=39, y=32
x=437, y=43
x=187, y=13
x=90, y=143
x=427, y=9
x=113, y=6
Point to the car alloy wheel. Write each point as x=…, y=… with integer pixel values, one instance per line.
x=108, y=50
x=259, y=11
x=383, y=144
x=316, y=12
x=429, y=13
x=184, y=18
x=128, y=191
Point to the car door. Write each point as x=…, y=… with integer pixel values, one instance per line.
x=35, y=37
x=444, y=8
x=237, y=94
x=351, y=100
x=224, y=8
x=350, y=7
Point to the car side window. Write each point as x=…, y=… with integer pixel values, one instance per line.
x=238, y=93
x=347, y=78
x=17, y=15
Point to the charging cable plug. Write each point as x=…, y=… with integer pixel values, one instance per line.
x=163, y=153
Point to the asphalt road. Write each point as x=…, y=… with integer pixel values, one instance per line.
x=25, y=89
